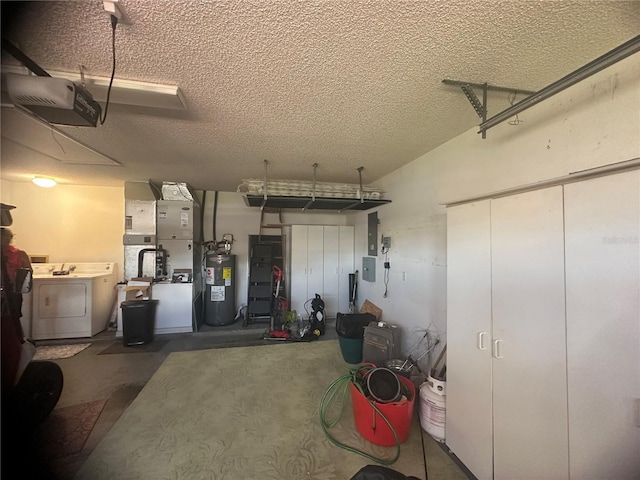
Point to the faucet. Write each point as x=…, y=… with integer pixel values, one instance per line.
x=72, y=268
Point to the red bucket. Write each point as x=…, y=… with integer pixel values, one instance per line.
x=371, y=425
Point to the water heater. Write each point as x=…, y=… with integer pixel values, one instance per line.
x=220, y=297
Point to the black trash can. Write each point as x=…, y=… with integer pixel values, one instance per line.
x=138, y=321
x=350, y=330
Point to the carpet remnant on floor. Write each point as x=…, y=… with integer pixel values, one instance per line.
x=118, y=347
x=66, y=429
x=54, y=352
x=241, y=413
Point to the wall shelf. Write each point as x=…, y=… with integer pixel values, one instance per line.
x=308, y=203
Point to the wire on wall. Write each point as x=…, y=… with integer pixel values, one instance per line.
x=114, y=22
x=386, y=273
x=387, y=266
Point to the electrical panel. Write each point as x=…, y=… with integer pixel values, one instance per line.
x=372, y=237
x=369, y=269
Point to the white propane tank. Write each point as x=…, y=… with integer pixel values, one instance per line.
x=432, y=407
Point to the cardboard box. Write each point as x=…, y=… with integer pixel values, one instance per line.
x=368, y=307
x=138, y=288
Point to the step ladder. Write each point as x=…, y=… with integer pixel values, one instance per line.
x=275, y=229
x=266, y=251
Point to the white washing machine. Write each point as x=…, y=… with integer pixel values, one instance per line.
x=78, y=304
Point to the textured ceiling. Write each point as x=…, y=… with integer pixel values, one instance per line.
x=341, y=83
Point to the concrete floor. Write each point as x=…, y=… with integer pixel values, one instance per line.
x=119, y=378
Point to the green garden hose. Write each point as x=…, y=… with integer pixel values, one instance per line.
x=340, y=386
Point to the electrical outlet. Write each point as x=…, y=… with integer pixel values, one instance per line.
x=404, y=276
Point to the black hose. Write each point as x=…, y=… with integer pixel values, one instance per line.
x=204, y=204
x=141, y=258
x=215, y=215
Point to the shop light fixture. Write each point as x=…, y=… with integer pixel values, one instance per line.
x=45, y=182
x=129, y=92
x=123, y=92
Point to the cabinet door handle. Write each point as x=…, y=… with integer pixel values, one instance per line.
x=638, y=412
x=496, y=348
x=481, y=336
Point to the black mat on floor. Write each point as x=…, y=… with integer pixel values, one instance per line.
x=118, y=347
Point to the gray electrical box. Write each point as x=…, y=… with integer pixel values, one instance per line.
x=369, y=269
x=372, y=234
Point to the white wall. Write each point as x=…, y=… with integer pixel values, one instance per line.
x=67, y=222
x=594, y=123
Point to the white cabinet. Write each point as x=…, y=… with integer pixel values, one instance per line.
x=528, y=348
x=307, y=256
x=543, y=332
x=175, y=307
x=602, y=218
x=322, y=257
x=506, y=373
x=469, y=410
x=346, y=265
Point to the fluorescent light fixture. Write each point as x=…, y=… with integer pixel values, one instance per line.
x=124, y=92
x=129, y=92
x=45, y=182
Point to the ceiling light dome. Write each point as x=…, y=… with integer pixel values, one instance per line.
x=45, y=182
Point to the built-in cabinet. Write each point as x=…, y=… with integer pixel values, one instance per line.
x=322, y=257
x=543, y=332
x=602, y=238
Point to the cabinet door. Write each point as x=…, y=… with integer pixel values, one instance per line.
x=62, y=299
x=603, y=326
x=331, y=269
x=345, y=266
x=298, y=267
x=529, y=340
x=469, y=431
x=315, y=261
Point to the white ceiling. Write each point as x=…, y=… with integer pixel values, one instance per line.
x=341, y=83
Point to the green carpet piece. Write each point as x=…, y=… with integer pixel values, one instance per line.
x=240, y=413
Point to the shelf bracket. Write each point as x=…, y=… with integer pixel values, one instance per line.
x=313, y=191
x=264, y=199
x=481, y=107
x=361, y=189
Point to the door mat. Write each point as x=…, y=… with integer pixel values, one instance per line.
x=54, y=352
x=66, y=429
x=118, y=347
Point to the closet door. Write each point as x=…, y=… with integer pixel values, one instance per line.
x=330, y=269
x=298, y=267
x=603, y=326
x=469, y=431
x=529, y=341
x=346, y=262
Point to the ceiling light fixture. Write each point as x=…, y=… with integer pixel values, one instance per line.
x=45, y=182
